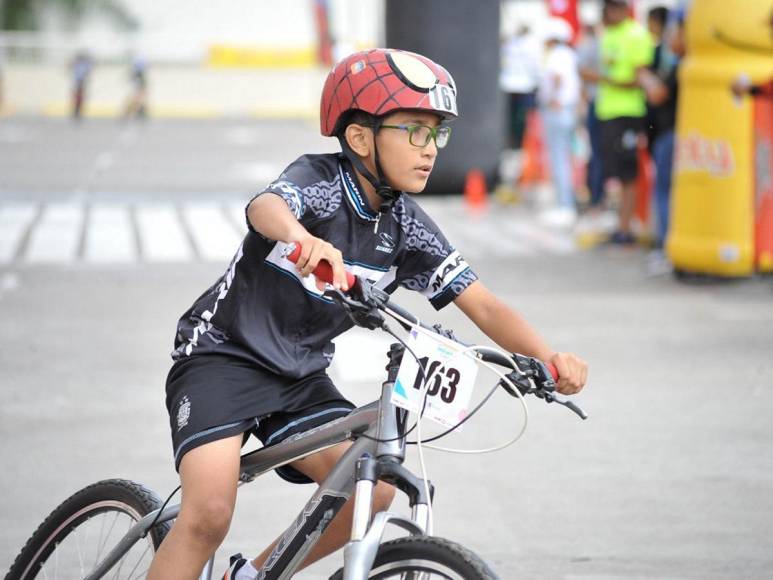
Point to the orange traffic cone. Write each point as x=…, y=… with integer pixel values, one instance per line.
x=475, y=195
x=534, y=171
x=644, y=183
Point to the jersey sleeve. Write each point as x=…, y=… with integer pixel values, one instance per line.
x=310, y=186
x=432, y=266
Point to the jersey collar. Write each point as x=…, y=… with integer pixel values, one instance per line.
x=353, y=193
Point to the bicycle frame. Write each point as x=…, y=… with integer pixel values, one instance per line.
x=377, y=453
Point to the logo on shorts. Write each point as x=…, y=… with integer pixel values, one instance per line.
x=630, y=140
x=183, y=412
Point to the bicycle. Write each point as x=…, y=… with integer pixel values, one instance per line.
x=379, y=432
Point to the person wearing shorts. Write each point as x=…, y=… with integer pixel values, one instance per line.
x=251, y=353
x=621, y=107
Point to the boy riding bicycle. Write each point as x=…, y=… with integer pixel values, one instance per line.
x=251, y=353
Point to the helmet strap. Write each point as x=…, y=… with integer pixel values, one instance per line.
x=383, y=189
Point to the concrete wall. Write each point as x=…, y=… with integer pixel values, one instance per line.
x=173, y=91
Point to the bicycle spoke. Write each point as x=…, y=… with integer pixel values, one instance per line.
x=121, y=562
x=104, y=542
x=118, y=568
x=56, y=560
x=77, y=534
x=142, y=557
x=45, y=574
x=78, y=550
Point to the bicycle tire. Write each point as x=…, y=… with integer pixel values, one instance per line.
x=434, y=557
x=67, y=529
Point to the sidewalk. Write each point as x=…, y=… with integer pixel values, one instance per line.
x=174, y=91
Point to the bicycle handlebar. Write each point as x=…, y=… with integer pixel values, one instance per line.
x=323, y=271
x=363, y=301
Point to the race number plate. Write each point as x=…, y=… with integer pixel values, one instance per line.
x=450, y=379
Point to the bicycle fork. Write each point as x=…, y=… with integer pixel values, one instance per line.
x=360, y=552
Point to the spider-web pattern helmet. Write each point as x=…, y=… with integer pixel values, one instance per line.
x=383, y=80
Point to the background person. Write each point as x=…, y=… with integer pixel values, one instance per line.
x=662, y=61
x=662, y=91
x=589, y=64
x=137, y=104
x=81, y=71
x=626, y=48
x=518, y=79
x=559, y=97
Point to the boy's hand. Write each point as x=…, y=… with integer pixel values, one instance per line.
x=314, y=250
x=572, y=372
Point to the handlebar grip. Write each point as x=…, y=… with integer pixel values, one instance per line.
x=552, y=369
x=323, y=271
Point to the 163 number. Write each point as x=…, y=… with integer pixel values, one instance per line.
x=443, y=381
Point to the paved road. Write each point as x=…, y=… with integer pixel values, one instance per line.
x=671, y=477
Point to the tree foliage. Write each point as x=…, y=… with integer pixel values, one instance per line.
x=25, y=14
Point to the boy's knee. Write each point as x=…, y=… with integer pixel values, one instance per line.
x=208, y=521
x=383, y=495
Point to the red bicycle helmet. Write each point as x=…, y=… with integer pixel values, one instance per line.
x=383, y=80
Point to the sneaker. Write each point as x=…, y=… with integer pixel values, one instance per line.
x=658, y=264
x=607, y=220
x=237, y=562
x=559, y=217
x=619, y=238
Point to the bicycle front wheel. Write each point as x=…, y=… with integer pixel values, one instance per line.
x=425, y=558
x=83, y=530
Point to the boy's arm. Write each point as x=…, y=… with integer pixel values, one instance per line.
x=511, y=332
x=270, y=216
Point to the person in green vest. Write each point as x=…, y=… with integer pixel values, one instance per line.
x=626, y=48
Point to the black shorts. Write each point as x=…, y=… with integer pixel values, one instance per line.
x=212, y=397
x=619, y=147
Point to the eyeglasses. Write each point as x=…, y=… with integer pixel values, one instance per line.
x=419, y=135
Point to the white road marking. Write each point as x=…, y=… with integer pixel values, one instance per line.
x=9, y=282
x=56, y=235
x=14, y=221
x=236, y=210
x=162, y=238
x=110, y=238
x=213, y=234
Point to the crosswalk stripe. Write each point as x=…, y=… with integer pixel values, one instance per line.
x=215, y=237
x=162, y=238
x=236, y=211
x=110, y=236
x=14, y=222
x=55, y=239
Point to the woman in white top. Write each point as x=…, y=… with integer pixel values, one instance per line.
x=558, y=97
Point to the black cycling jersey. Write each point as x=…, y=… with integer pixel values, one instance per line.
x=263, y=311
